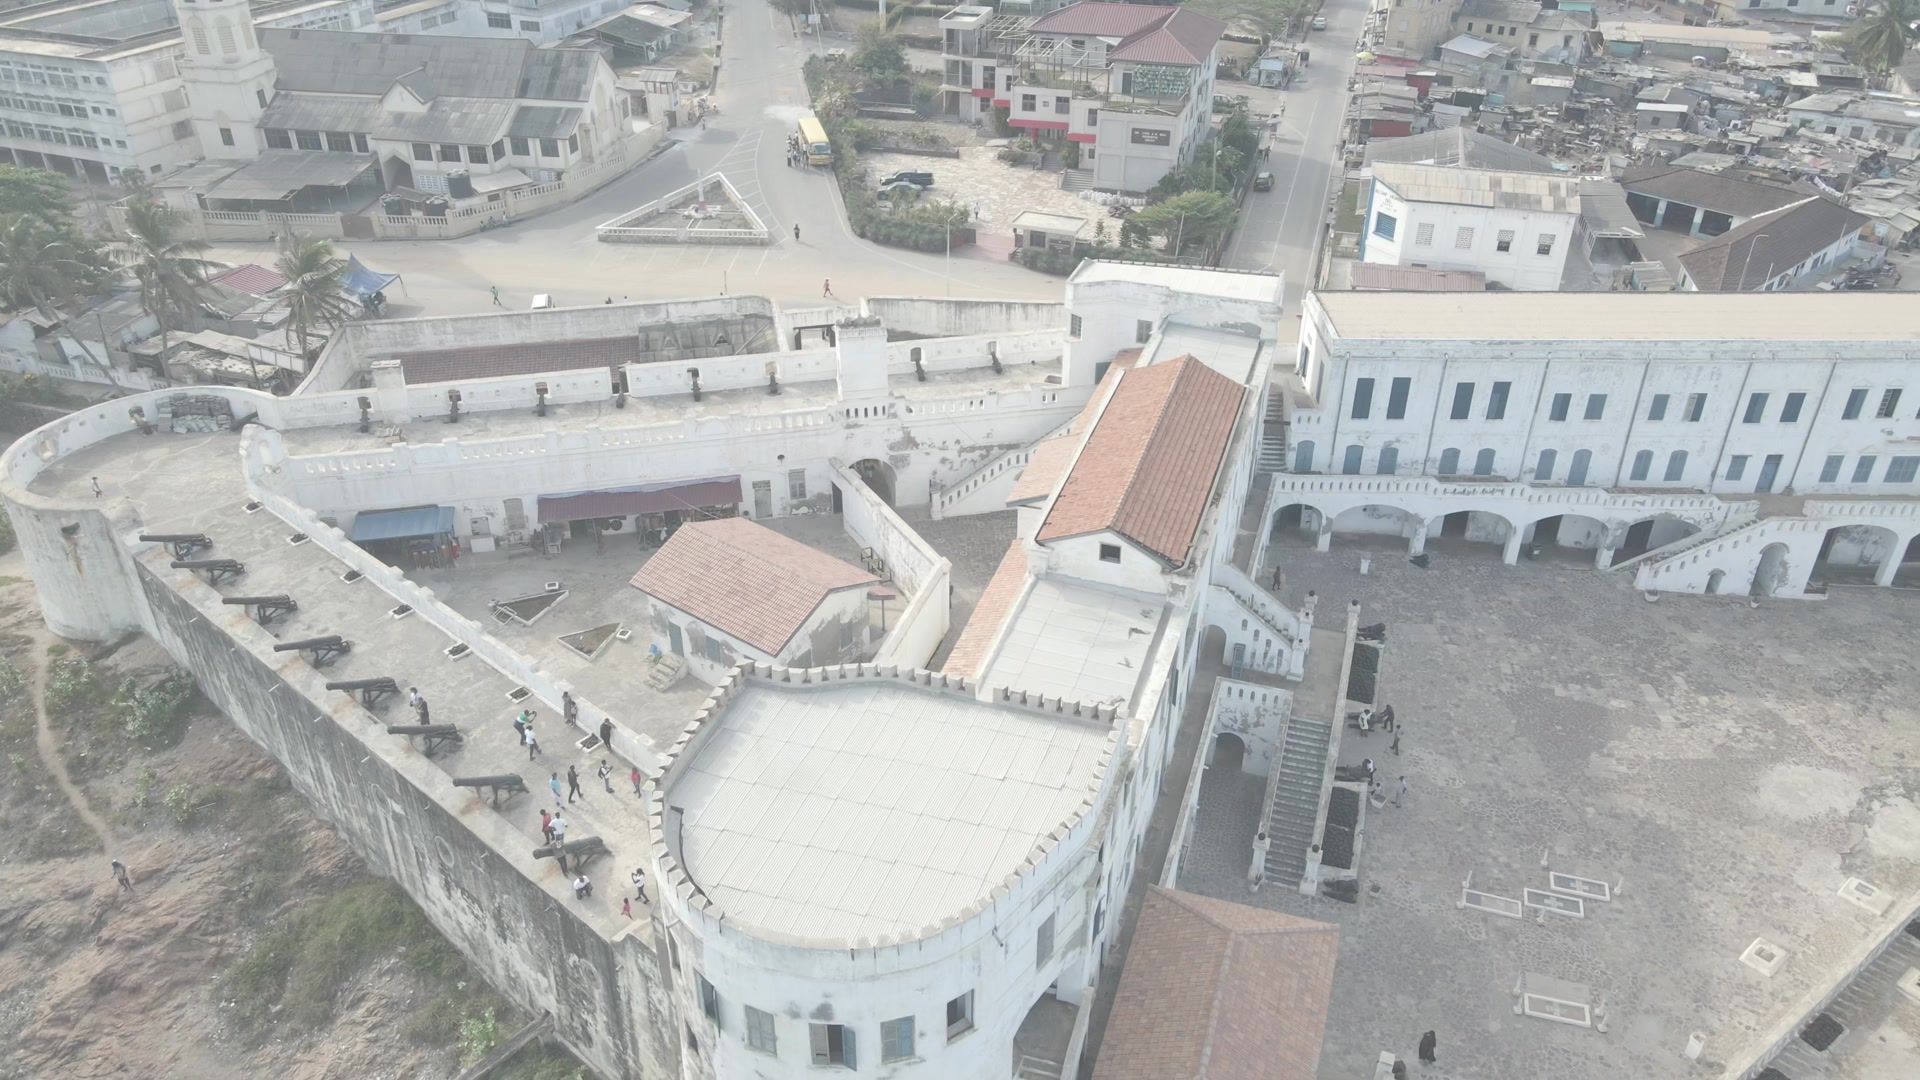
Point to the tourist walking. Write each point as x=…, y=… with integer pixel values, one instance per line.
x=606, y=734
x=606, y=773
x=1428, y=1044
x=495, y=289
x=626, y=907
x=558, y=827
x=96, y=480
x=420, y=706
x=1401, y=793
x=573, y=785
x=826, y=287
x=121, y=875
x=546, y=826
x=636, y=778
x=533, y=744
x=553, y=781
x=796, y=232
x=639, y=884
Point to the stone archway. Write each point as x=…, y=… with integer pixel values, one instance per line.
x=1297, y=522
x=1649, y=533
x=878, y=475
x=1375, y=525
x=1771, y=574
x=1227, y=750
x=1858, y=555
x=1464, y=531
x=1566, y=538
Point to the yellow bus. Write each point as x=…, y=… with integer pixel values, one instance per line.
x=813, y=142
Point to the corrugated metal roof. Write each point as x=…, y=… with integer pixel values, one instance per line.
x=745, y=580
x=341, y=62
x=1459, y=146
x=276, y=174
x=250, y=278
x=646, y=499
x=1746, y=257
x=1147, y=33
x=418, y=521
x=1380, y=276
x=543, y=122
x=1480, y=187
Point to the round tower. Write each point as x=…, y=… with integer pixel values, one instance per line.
x=227, y=75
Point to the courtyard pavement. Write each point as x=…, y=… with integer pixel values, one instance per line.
x=1728, y=767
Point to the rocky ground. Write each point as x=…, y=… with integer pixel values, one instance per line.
x=253, y=943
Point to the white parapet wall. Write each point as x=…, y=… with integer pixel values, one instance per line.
x=677, y=218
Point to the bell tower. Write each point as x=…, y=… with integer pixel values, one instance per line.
x=228, y=76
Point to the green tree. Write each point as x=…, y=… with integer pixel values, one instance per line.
x=43, y=195
x=1193, y=219
x=1879, y=41
x=167, y=267
x=878, y=55
x=37, y=266
x=316, y=289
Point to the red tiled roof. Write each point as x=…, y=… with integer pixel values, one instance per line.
x=1052, y=456
x=251, y=278
x=745, y=580
x=1149, y=464
x=646, y=499
x=1148, y=33
x=996, y=600
x=1214, y=990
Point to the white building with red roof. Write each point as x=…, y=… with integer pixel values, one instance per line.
x=1131, y=84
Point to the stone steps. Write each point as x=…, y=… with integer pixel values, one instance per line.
x=1076, y=180
x=1297, y=793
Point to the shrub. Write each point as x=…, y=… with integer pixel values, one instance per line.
x=180, y=804
x=155, y=714
x=71, y=681
x=7, y=540
x=479, y=1034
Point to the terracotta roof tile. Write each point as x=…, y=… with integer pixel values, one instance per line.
x=251, y=278
x=1214, y=990
x=996, y=601
x=1150, y=462
x=1149, y=33
x=745, y=580
x=1052, y=456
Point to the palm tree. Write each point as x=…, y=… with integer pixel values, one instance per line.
x=39, y=269
x=1880, y=40
x=167, y=267
x=316, y=288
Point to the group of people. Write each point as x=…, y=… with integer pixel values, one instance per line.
x=796, y=157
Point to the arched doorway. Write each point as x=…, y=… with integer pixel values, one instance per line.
x=1714, y=581
x=1771, y=574
x=1295, y=522
x=1856, y=554
x=877, y=475
x=1227, y=751
x=1568, y=538
x=1649, y=533
x=1464, y=529
x=1375, y=526
x=396, y=172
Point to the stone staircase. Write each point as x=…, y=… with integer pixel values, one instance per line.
x=1273, y=433
x=1859, y=1008
x=1076, y=180
x=1294, y=804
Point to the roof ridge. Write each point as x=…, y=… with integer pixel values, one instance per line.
x=1159, y=419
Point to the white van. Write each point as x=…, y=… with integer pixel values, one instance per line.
x=542, y=301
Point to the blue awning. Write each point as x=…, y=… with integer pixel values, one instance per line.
x=363, y=282
x=421, y=521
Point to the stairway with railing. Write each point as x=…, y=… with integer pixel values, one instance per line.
x=1273, y=432
x=1293, y=797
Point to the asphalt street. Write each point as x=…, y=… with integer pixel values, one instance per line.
x=760, y=96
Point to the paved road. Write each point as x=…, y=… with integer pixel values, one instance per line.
x=760, y=96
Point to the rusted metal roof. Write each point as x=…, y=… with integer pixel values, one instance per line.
x=649, y=499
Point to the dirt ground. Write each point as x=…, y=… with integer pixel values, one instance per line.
x=240, y=951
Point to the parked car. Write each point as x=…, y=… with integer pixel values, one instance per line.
x=834, y=56
x=915, y=177
x=1263, y=181
x=1319, y=22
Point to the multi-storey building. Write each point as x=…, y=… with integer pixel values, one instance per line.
x=1617, y=423
x=1132, y=84
x=1514, y=227
x=1415, y=28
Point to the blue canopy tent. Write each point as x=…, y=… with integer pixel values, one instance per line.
x=362, y=282
x=416, y=537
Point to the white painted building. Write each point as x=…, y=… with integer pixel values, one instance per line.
x=1872, y=116
x=1613, y=422
x=1514, y=227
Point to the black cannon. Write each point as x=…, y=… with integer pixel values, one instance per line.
x=372, y=691
x=323, y=650
x=436, y=735
x=265, y=608
x=574, y=854
x=183, y=544
x=499, y=787
x=218, y=571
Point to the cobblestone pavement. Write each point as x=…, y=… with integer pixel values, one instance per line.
x=1730, y=766
x=974, y=544
x=996, y=191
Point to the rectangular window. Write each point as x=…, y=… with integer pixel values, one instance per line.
x=960, y=1016
x=1093, y=117
x=760, y=1034
x=477, y=155
x=1561, y=403
x=1497, y=401
x=1756, y=409
x=1901, y=470
x=449, y=152
x=1546, y=244
x=499, y=20
x=1397, y=398
x=1863, y=468
x=1423, y=234
x=1856, y=400
x=1736, y=466
x=532, y=25
x=832, y=1044
x=519, y=145
x=500, y=150
x=261, y=97
x=1061, y=106
x=1830, y=469
x=1696, y=407
x=1362, y=398
x=1463, y=239
x=226, y=136
x=896, y=1039
x=709, y=997
x=1073, y=326
x=1043, y=944
x=1142, y=331
x=1462, y=401
x=1504, y=242
x=796, y=484
x=1642, y=461
x=1889, y=401
x=1596, y=406
x=1110, y=553
x=1658, y=410
x=307, y=140
x=1029, y=102
x=360, y=143
x=1384, y=225
x=550, y=148
x=340, y=142
x=1790, y=412
x=573, y=144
